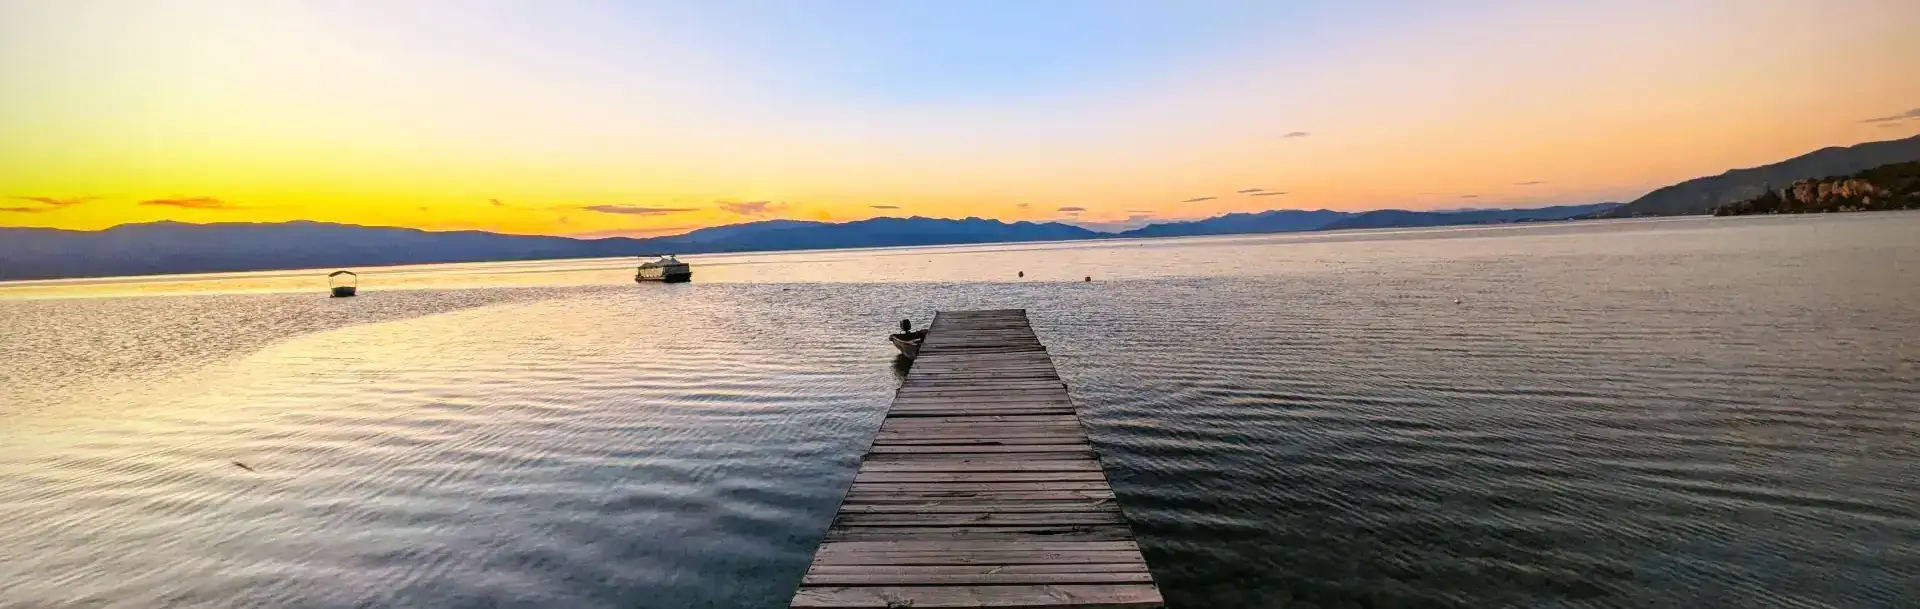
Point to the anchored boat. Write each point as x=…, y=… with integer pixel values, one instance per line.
x=667, y=269
x=343, y=288
x=908, y=339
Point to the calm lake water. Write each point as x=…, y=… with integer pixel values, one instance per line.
x=1685, y=413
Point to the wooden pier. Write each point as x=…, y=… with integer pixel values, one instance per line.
x=980, y=490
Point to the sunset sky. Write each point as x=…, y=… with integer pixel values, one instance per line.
x=630, y=118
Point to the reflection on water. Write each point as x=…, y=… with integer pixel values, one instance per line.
x=1694, y=413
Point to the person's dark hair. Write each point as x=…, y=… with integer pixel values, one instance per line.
x=906, y=325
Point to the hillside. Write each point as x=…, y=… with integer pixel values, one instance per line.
x=1276, y=221
x=1887, y=187
x=1702, y=195
x=886, y=232
x=1400, y=218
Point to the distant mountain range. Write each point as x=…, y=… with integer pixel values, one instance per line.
x=172, y=247
x=1276, y=221
x=1294, y=220
x=1702, y=195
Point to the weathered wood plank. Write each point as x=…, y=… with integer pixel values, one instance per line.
x=978, y=410
x=978, y=519
x=1008, y=377
x=971, y=507
x=982, y=465
x=1034, y=396
x=899, y=435
x=1024, y=448
x=1049, y=391
x=1116, y=567
x=1004, y=375
x=1005, y=487
x=990, y=407
x=1037, y=418
x=977, y=368
x=997, y=546
x=990, y=578
x=1000, y=384
x=984, y=432
x=1036, y=361
x=962, y=558
x=986, y=394
x=1094, y=532
x=914, y=405
x=905, y=426
x=1005, y=384
x=1001, y=418
x=1064, y=596
x=911, y=409
x=934, y=425
x=964, y=495
x=989, y=420
x=981, y=400
x=902, y=427
x=980, y=431
x=1061, y=456
x=997, y=441
x=911, y=401
x=938, y=360
x=983, y=477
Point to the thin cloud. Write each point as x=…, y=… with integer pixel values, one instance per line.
x=884, y=206
x=1072, y=209
x=1249, y=191
x=496, y=203
x=752, y=208
x=1023, y=205
x=209, y=203
x=26, y=210
x=1530, y=183
x=633, y=232
x=1199, y=199
x=1295, y=134
x=634, y=210
x=1268, y=194
x=55, y=202
x=1141, y=211
x=1469, y=196
x=1914, y=113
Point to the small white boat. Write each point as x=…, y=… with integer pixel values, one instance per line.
x=342, y=288
x=667, y=269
